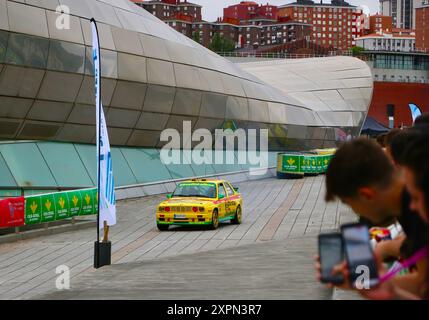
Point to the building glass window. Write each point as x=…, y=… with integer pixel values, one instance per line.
x=3, y=45
x=66, y=56
x=27, y=50
x=27, y=164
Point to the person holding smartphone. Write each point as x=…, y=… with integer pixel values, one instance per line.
x=415, y=164
x=362, y=176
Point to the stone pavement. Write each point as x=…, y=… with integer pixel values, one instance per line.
x=290, y=210
x=268, y=270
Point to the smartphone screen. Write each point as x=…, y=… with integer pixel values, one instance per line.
x=331, y=254
x=359, y=255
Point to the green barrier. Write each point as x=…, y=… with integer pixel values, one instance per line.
x=60, y=205
x=297, y=165
x=291, y=163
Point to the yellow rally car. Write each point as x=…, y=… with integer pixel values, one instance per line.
x=200, y=202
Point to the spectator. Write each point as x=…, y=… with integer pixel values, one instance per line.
x=413, y=159
x=361, y=175
x=381, y=140
x=416, y=173
x=388, y=142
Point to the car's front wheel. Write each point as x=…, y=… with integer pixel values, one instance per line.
x=215, y=220
x=162, y=227
x=237, y=217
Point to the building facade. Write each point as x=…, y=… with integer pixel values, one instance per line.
x=248, y=10
x=388, y=41
x=379, y=23
x=334, y=24
x=168, y=9
x=403, y=12
x=399, y=95
x=243, y=35
x=422, y=27
x=246, y=24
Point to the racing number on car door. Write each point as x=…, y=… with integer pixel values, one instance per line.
x=222, y=206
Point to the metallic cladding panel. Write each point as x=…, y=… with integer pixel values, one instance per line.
x=150, y=70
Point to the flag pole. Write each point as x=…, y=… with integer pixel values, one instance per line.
x=98, y=106
x=106, y=205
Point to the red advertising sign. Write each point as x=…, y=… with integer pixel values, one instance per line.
x=12, y=212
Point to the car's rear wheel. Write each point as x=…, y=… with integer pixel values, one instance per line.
x=237, y=217
x=162, y=227
x=215, y=220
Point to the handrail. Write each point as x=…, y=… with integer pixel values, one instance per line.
x=277, y=55
x=22, y=189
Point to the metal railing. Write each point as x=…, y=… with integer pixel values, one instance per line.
x=278, y=55
x=21, y=189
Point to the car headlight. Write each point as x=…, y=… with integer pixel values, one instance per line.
x=161, y=209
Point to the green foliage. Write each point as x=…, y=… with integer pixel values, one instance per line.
x=221, y=44
x=196, y=37
x=356, y=51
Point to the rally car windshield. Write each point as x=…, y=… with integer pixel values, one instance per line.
x=204, y=190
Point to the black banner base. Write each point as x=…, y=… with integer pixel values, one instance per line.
x=102, y=254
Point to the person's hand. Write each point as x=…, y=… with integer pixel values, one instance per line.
x=383, y=291
x=379, y=251
x=318, y=268
x=341, y=268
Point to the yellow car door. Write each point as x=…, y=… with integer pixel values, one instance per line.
x=222, y=198
x=231, y=204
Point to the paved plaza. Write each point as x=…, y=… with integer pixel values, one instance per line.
x=268, y=256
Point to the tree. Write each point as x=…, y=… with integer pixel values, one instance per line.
x=221, y=44
x=357, y=51
x=196, y=37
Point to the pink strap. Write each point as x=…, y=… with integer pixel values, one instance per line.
x=419, y=255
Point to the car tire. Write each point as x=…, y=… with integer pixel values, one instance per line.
x=162, y=227
x=237, y=217
x=215, y=220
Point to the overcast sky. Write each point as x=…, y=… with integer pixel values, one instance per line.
x=214, y=8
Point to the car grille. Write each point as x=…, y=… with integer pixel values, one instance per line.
x=181, y=209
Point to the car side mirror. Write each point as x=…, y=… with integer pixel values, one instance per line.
x=169, y=195
x=221, y=196
x=236, y=189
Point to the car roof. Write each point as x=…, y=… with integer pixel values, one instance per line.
x=206, y=180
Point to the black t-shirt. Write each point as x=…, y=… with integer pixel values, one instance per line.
x=416, y=230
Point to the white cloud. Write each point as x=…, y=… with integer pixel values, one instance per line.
x=212, y=9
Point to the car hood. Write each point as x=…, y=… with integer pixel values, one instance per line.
x=187, y=201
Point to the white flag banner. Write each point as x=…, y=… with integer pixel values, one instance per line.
x=106, y=184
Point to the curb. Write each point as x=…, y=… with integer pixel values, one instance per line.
x=45, y=232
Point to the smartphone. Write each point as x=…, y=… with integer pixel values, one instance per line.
x=359, y=255
x=331, y=253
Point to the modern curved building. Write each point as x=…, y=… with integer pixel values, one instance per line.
x=153, y=78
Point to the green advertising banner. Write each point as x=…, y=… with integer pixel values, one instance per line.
x=89, y=206
x=326, y=160
x=309, y=164
x=291, y=163
x=303, y=163
x=33, y=210
x=319, y=164
x=75, y=203
x=60, y=205
x=48, y=207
